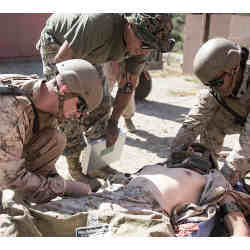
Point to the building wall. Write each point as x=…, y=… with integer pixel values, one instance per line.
x=19, y=33
x=239, y=30
x=195, y=34
x=232, y=26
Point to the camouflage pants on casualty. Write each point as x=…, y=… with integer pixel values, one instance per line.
x=129, y=211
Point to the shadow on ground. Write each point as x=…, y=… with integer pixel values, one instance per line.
x=161, y=110
x=150, y=143
x=26, y=67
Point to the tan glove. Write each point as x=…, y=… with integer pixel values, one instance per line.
x=76, y=188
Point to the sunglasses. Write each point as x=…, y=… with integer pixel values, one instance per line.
x=82, y=107
x=217, y=83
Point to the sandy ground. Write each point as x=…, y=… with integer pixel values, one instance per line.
x=157, y=118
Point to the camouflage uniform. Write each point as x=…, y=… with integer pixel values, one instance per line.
x=213, y=122
x=27, y=157
x=97, y=38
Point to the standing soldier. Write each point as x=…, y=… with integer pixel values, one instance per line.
x=30, y=140
x=223, y=67
x=118, y=45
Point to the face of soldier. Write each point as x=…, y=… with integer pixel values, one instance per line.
x=225, y=83
x=70, y=109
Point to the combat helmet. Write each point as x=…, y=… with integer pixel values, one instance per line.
x=215, y=56
x=153, y=29
x=82, y=79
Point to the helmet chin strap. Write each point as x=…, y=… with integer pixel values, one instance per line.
x=61, y=98
x=235, y=73
x=60, y=114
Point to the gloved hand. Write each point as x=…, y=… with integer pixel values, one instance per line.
x=76, y=189
x=112, y=133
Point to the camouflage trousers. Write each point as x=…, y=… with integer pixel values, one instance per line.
x=129, y=211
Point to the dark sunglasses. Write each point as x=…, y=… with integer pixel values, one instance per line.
x=217, y=83
x=82, y=107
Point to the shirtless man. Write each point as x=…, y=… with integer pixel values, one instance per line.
x=161, y=198
x=164, y=183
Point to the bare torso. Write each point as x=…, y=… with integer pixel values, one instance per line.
x=170, y=186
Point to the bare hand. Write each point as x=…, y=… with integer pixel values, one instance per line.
x=76, y=189
x=112, y=134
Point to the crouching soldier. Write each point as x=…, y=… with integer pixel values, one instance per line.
x=222, y=109
x=30, y=140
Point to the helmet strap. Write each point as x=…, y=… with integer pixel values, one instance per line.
x=61, y=99
x=60, y=114
x=235, y=73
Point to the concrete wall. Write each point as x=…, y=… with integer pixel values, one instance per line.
x=19, y=33
x=232, y=26
x=240, y=30
x=195, y=33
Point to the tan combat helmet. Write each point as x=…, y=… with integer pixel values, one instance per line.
x=214, y=56
x=83, y=80
x=153, y=29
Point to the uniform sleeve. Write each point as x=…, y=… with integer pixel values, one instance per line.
x=135, y=64
x=237, y=163
x=13, y=173
x=74, y=36
x=196, y=120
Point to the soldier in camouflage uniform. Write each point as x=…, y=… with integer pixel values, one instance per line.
x=30, y=140
x=118, y=45
x=224, y=109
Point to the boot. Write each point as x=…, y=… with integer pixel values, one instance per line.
x=130, y=125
